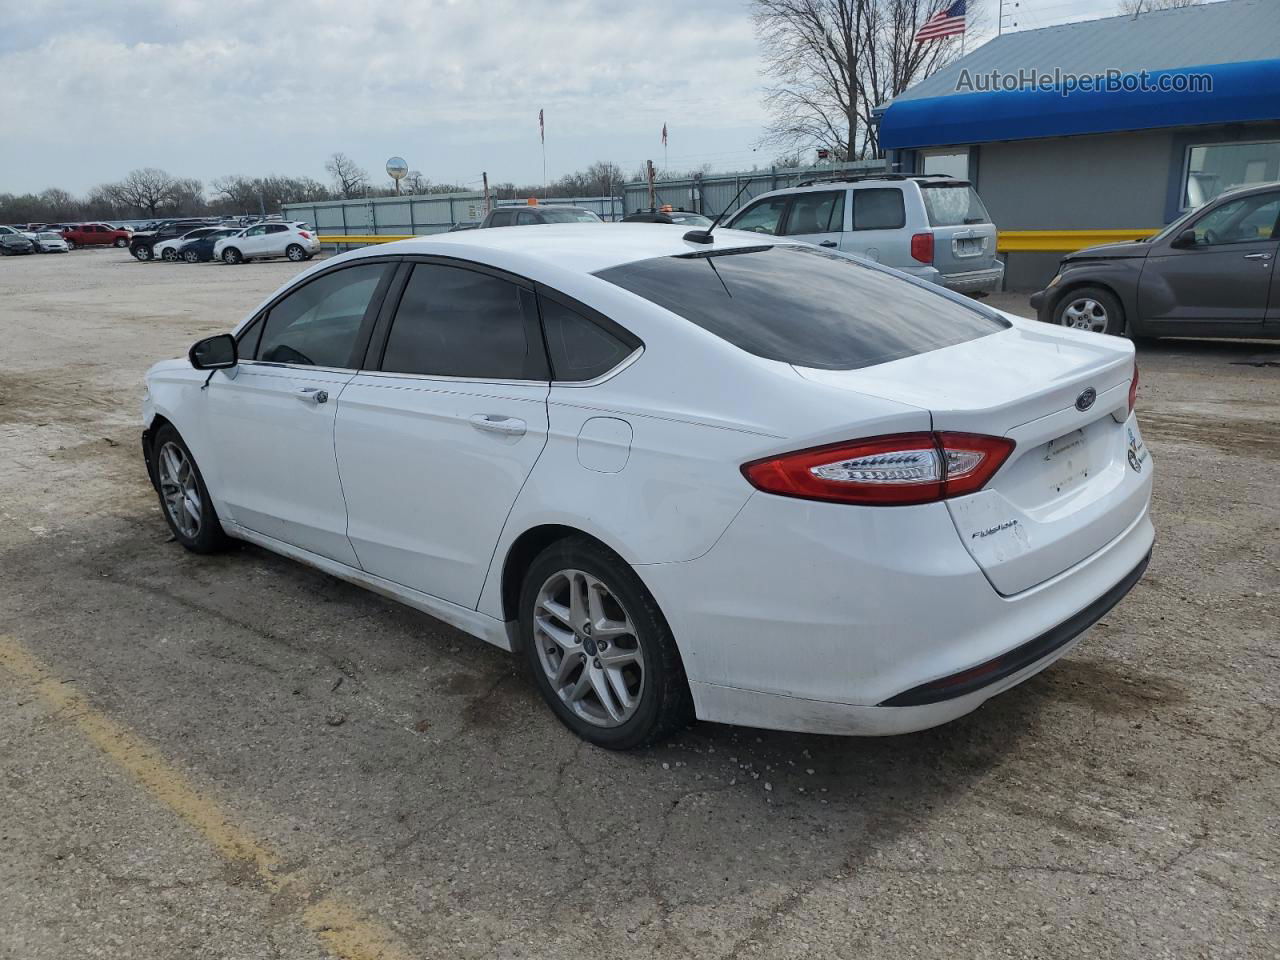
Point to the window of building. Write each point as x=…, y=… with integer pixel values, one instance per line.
x=1215, y=167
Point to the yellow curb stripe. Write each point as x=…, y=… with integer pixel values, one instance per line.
x=337, y=925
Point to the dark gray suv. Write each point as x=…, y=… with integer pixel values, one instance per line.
x=538, y=213
x=1211, y=273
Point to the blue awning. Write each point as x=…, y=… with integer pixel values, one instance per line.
x=1240, y=92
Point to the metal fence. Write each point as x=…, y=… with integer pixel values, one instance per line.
x=713, y=193
x=401, y=216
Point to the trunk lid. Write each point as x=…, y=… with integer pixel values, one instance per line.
x=1077, y=478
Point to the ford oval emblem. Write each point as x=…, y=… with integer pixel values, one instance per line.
x=1085, y=400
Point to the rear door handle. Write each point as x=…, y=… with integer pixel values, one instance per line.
x=1257, y=256
x=312, y=395
x=828, y=243
x=491, y=423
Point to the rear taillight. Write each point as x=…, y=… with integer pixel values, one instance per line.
x=304, y=235
x=901, y=469
x=922, y=247
x=1133, y=388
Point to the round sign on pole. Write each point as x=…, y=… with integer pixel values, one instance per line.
x=397, y=168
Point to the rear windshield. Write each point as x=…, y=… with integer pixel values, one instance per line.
x=569, y=216
x=805, y=306
x=953, y=204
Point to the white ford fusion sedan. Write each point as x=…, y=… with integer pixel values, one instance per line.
x=749, y=481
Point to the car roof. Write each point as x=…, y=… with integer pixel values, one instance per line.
x=581, y=247
x=865, y=180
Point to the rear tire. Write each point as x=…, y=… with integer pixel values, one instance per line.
x=615, y=678
x=191, y=256
x=184, y=498
x=232, y=255
x=295, y=253
x=121, y=242
x=169, y=255
x=1090, y=308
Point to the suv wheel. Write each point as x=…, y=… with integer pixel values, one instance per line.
x=170, y=254
x=121, y=242
x=599, y=648
x=142, y=252
x=1090, y=308
x=295, y=253
x=232, y=255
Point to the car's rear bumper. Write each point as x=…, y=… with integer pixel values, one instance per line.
x=975, y=281
x=835, y=619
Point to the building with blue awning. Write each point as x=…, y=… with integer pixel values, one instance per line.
x=1118, y=124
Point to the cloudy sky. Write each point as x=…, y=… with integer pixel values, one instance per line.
x=202, y=88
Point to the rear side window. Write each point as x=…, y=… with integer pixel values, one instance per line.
x=319, y=323
x=953, y=204
x=501, y=218
x=879, y=209
x=761, y=217
x=453, y=322
x=802, y=305
x=277, y=228
x=524, y=218
x=816, y=213
x=569, y=216
x=580, y=348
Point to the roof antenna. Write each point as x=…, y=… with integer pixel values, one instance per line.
x=704, y=236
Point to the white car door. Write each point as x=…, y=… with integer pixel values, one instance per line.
x=816, y=217
x=271, y=417
x=253, y=241
x=274, y=240
x=436, y=438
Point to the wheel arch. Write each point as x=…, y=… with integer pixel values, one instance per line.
x=1128, y=306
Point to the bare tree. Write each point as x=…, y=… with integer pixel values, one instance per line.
x=833, y=61
x=1133, y=8
x=147, y=190
x=348, y=177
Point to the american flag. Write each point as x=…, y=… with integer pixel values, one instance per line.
x=664, y=134
x=944, y=23
x=542, y=130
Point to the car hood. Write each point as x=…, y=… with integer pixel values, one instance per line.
x=1111, y=251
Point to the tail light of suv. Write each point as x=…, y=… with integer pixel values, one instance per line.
x=304, y=235
x=895, y=470
x=922, y=247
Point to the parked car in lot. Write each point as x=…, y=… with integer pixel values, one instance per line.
x=200, y=249
x=297, y=241
x=47, y=241
x=934, y=228
x=537, y=213
x=682, y=217
x=168, y=249
x=13, y=241
x=95, y=235
x=713, y=479
x=1210, y=273
x=142, y=245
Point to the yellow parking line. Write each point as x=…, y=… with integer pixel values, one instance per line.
x=337, y=925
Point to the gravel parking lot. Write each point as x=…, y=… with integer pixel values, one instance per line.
x=238, y=757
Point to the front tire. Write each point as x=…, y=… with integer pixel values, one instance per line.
x=191, y=256
x=121, y=242
x=184, y=498
x=142, y=253
x=1090, y=308
x=599, y=648
x=71, y=245
x=169, y=255
x=232, y=255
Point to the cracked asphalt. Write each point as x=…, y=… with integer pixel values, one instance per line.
x=401, y=791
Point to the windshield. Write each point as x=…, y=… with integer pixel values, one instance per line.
x=46, y=235
x=953, y=204
x=1174, y=228
x=569, y=216
x=805, y=306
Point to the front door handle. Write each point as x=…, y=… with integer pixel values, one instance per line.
x=1257, y=256
x=312, y=395
x=828, y=243
x=493, y=423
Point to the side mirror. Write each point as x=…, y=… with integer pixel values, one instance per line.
x=214, y=353
x=1187, y=238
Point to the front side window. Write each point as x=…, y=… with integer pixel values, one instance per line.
x=454, y=322
x=802, y=305
x=1246, y=220
x=580, y=348
x=1217, y=167
x=318, y=325
x=816, y=213
x=879, y=209
x=761, y=217
x=255, y=231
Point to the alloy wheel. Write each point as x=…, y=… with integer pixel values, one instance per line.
x=295, y=253
x=1085, y=313
x=588, y=648
x=180, y=490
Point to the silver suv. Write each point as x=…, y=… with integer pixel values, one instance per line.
x=931, y=227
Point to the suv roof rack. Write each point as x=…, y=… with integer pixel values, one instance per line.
x=856, y=178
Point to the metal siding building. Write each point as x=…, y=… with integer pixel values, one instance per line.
x=1098, y=160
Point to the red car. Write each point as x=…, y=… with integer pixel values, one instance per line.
x=95, y=235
